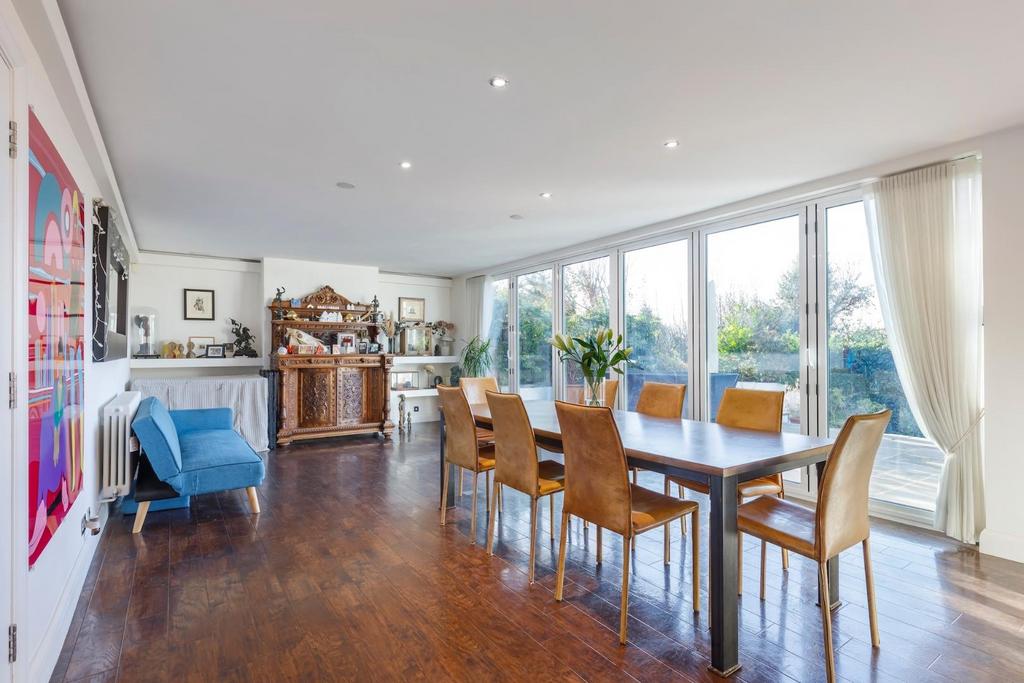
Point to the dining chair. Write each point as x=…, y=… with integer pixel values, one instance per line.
x=597, y=489
x=659, y=399
x=745, y=409
x=462, y=448
x=840, y=520
x=475, y=389
x=517, y=466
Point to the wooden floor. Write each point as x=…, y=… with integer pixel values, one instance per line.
x=347, y=575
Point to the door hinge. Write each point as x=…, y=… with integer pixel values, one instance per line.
x=12, y=643
x=12, y=390
x=12, y=139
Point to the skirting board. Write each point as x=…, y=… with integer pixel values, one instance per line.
x=1006, y=546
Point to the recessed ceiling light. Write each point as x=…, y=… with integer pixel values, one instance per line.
x=498, y=82
x=672, y=144
x=345, y=186
x=516, y=217
x=406, y=165
x=545, y=195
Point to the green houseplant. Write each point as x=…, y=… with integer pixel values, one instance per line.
x=596, y=354
x=476, y=357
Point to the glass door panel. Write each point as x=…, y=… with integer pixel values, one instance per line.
x=656, y=312
x=498, y=334
x=534, y=321
x=861, y=377
x=753, y=313
x=584, y=310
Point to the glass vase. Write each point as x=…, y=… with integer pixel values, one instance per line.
x=593, y=391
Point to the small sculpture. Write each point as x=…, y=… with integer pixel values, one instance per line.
x=191, y=350
x=244, y=340
x=278, y=299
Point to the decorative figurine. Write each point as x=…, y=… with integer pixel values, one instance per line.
x=244, y=340
x=277, y=297
x=191, y=350
x=401, y=411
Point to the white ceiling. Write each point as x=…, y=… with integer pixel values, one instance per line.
x=229, y=123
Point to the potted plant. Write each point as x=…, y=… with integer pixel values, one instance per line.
x=596, y=355
x=476, y=357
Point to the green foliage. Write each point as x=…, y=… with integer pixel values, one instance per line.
x=476, y=357
x=596, y=355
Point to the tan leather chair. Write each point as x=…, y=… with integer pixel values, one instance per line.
x=597, y=489
x=658, y=399
x=475, y=389
x=746, y=409
x=574, y=393
x=462, y=448
x=517, y=467
x=839, y=522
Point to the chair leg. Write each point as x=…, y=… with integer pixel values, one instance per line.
x=668, y=544
x=636, y=472
x=870, y=581
x=764, y=560
x=490, y=522
x=624, y=604
x=498, y=489
x=472, y=518
x=487, y=490
x=461, y=480
x=444, y=490
x=533, y=536
x=254, y=502
x=695, y=545
x=826, y=620
x=551, y=517
x=600, y=546
x=785, y=553
x=739, y=562
x=140, y=517
x=682, y=522
x=560, y=574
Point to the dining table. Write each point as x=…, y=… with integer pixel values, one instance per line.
x=705, y=452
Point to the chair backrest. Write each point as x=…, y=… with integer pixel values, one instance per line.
x=751, y=409
x=596, y=478
x=515, y=446
x=658, y=399
x=460, y=444
x=158, y=437
x=842, y=514
x=574, y=393
x=476, y=388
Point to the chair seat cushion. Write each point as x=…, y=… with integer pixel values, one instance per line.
x=779, y=522
x=551, y=477
x=762, y=486
x=651, y=509
x=485, y=458
x=217, y=460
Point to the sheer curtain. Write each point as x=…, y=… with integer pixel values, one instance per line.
x=925, y=232
x=480, y=303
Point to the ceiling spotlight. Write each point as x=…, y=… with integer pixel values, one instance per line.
x=345, y=186
x=498, y=82
x=406, y=165
x=545, y=195
x=516, y=217
x=671, y=144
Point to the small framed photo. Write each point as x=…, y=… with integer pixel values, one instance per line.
x=363, y=346
x=199, y=304
x=412, y=310
x=215, y=351
x=405, y=380
x=199, y=344
x=373, y=348
x=347, y=342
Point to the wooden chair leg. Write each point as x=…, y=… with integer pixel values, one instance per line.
x=764, y=560
x=560, y=574
x=254, y=502
x=870, y=581
x=636, y=473
x=472, y=518
x=695, y=545
x=785, y=553
x=668, y=545
x=551, y=518
x=140, y=517
x=444, y=490
x=462, y=478
x=533, y=536
x=624, y=604
x=826, y=620
x=682, y=522
x=490, y=522
x=600, y=546
x=739, y=562
x=500, y=497
x=487, y=490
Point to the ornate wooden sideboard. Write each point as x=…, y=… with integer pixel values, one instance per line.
x=325, y=394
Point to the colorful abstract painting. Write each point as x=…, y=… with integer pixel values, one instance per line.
x=56, y=339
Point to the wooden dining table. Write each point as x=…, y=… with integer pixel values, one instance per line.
x=718, y=456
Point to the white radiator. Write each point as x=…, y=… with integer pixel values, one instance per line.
x=118, y=444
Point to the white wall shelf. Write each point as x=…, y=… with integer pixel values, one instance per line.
x=167, y=363
x=415, y=393
x=424, y=360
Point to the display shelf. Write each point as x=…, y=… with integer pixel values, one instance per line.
x=415, y=393
x=424, y=360
x=166, y=363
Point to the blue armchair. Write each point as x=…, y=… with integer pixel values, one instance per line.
x=189, y=452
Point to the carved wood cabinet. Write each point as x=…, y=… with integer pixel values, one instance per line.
x=332, y=396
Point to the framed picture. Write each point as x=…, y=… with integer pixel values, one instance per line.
x=347, y=342
x=412, y=310
x=200, y=344
x=373, y=348
x=215, y=351
x=405, y=380
x=199, y=304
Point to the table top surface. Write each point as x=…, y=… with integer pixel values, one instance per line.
x=690, y=445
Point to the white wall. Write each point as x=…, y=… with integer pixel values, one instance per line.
x=46, y=596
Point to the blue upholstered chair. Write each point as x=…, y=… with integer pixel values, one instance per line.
x=189, y=452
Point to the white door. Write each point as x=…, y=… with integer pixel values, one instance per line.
x=7, y=311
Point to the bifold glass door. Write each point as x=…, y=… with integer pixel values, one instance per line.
x=534, y=328
x=585, y=309
x=498, y=335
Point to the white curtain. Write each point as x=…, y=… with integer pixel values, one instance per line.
x=480, y=303
x=925, y=232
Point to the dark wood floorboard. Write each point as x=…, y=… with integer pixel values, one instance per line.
x=347, y=575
